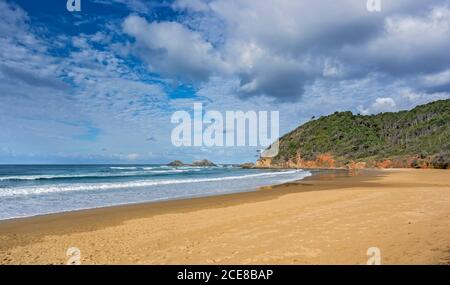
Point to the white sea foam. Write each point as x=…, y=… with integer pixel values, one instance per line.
x=35, y=190
x=123, y=168
x=147, y=170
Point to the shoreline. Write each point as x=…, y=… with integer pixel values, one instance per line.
x=133, y=210
x=43, y=239
x=165, y=200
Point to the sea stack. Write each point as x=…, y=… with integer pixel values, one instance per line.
x=203, y=162
x=176, y=163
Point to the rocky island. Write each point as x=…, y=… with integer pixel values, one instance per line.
x=203, y=162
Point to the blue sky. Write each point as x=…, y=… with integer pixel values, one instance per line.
x=100, y=85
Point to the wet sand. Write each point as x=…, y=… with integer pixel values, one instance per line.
x=332, y=218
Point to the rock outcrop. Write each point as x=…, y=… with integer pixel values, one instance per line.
x=176, y=163
x=203, y=162
x=248, y=165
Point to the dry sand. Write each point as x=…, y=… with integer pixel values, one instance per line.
x=327, y=219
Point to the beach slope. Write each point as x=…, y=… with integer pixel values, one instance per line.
x=326, y=219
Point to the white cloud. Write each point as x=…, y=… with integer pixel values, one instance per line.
x=140, y=6
x=384, y=104
x=132, y=156
x=50, y=104
x=190, y=5
x=331, y=68
x=437, y=79
x=411, y=44
x=278, y=48
x=171, y=49
x=268, y=52
x=380, y=105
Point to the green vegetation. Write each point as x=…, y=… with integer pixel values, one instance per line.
x=422, y=133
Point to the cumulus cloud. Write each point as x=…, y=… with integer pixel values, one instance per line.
x=408, y=44
x=277, y=48
x=171, y=49
x=30, y=85
x=249, y=55
x=83, y=99
x=380, y=105
x=402, y=99
x=345, y=40
x=437, y=82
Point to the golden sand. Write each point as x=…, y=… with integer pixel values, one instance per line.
x=327, y=219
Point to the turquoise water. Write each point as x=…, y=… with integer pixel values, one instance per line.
x=29, y=190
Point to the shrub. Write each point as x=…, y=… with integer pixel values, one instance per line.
x=441, y=161
x=415, y=163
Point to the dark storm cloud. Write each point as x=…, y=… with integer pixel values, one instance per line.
x=278, y=48
x=287, y=82
x=442, y=88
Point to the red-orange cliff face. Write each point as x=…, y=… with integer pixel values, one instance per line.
x=328, y=161
x=384, y=164
x=322, y=161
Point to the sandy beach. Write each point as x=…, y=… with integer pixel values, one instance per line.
x=326, y=219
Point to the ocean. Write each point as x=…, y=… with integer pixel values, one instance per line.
x=30, y=190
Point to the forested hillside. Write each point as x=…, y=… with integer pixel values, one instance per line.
x=416, y=138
